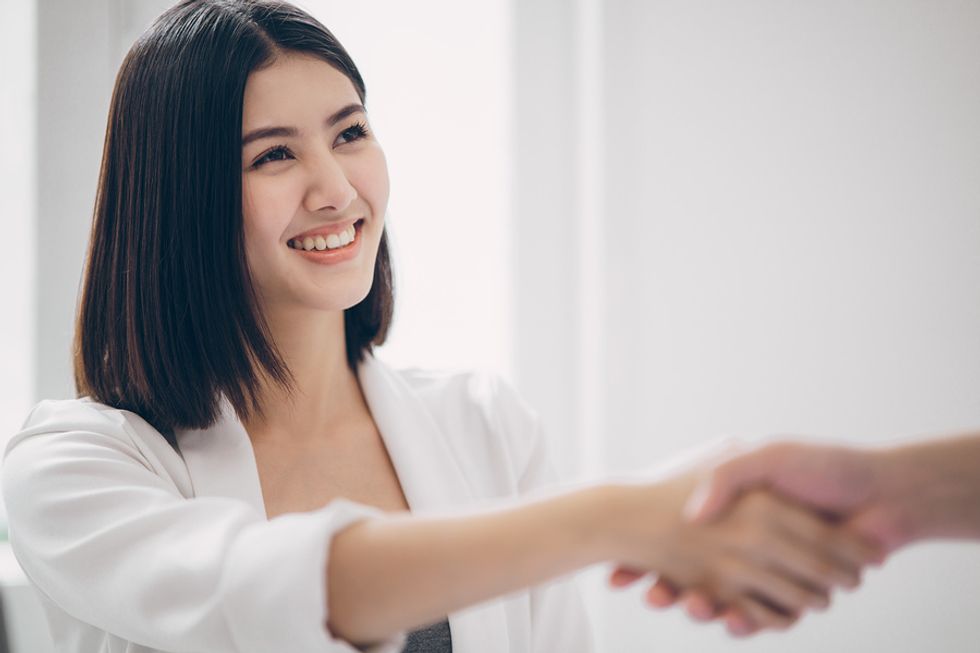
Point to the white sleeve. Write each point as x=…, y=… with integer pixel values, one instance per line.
x=115, y=545
x=559, y=621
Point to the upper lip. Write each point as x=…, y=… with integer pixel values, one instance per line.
x=327, y=229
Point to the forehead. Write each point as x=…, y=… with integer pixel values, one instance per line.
x=293, y=89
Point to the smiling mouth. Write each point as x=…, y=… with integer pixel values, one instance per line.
x=327, y=242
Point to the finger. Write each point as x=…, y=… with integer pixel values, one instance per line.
x=623, y=577
x=775, y=588
x=809, y=567
x=750, y=614
x=737, y=621
x=699, y=606
x=846, y=550
x=883, y=528
x=725, y=482
x=855, y=549
x=662, y=594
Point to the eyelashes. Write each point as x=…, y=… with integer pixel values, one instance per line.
x=277, y=153
x=355, y=132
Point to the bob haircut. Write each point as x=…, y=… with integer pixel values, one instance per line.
x=168, y=320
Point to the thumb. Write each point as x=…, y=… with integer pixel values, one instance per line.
x=723, y=484
x=882, y=527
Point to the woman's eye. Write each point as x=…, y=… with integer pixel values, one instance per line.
x=355, y=132
x=278, y=153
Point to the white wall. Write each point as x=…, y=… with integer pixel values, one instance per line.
x=75, y=70
x=439, y=86
x=24, y=629
x=792, y=245
x=18, y=202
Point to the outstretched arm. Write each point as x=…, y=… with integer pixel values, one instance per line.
x=219, y=573
x=765, y=555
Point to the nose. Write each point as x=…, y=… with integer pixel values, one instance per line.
x=329, y=187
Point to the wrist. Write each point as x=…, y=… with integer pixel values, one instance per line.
x=932, y=488
x=632, y=519
x=595, y=526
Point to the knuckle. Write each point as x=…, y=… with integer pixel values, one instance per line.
x=757, y=504
x=729, y=568
x=825, y=569
x=796, y=598
x=845, y=543
x=747, y=537
x=778, y=450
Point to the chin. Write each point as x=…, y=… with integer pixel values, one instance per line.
x=341, y=300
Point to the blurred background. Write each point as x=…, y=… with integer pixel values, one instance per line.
x=664, y=221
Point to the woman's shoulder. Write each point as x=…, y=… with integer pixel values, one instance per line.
x=68, y=439
x=85, y=419
x=73, y=414
x=479, y=393
x=82, y=414
x=479, y=413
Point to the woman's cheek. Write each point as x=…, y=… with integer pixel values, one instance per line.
x=369, y=175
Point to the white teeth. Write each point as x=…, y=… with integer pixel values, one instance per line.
x=321, y=242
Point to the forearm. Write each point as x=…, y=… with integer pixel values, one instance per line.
x=936, y=486
x=394, y=574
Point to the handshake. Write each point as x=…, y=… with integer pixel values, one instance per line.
x=759, y=536
x=754, y=536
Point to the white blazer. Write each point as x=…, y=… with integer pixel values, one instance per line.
x=135, y=548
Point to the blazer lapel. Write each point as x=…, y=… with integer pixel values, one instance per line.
x=433, y=482
x=221, y=462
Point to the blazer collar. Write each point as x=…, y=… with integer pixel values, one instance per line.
x=221, y=463
x=428, y=470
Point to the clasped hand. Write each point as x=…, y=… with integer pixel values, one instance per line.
x=762, y=560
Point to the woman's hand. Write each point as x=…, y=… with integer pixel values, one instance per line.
x=768, y=557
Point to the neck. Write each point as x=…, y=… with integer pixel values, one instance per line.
x=325, y=390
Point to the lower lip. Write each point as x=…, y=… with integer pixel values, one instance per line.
x=333, y=256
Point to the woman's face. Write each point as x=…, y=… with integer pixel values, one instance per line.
x=313, y=178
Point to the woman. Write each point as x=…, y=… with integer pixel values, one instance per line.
x=241, y=474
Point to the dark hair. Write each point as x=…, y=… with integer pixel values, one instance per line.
x=168, y=318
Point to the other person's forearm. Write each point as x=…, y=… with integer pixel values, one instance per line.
x=934, y=486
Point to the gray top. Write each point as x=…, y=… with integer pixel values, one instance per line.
x=431, y=639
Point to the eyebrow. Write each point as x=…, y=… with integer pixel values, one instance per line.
x=270, y=132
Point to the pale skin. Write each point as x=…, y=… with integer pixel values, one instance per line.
x=894, y=495
x=320, y=442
